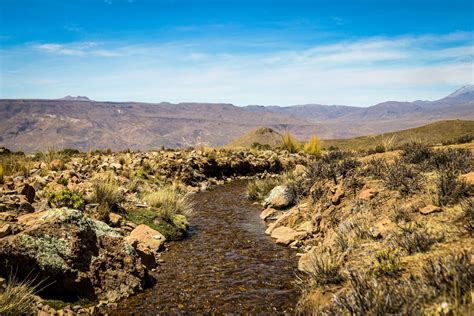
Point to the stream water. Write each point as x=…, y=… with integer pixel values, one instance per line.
x=226, y=266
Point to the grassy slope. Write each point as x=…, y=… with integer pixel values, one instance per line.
x=434, y=133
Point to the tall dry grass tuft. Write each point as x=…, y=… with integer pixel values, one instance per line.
x=106, y=193
x=18, y=298
x=169, y=201
x=313, y=146
x=289, y=143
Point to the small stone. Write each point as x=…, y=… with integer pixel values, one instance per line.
x=267, y=213
x=338, y=195
x=368, y=194
x=7, y=217
x=430, y=209
x=115, y=219
x=5, y=230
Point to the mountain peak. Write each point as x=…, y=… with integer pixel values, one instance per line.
x=466, y=91
x=75, y=98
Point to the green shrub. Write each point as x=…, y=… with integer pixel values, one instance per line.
x=174, y=228
x=63, y=181
x=66, y=198
x=258, y=189
x=289, y=143
x=416, y=153
x=387, y=262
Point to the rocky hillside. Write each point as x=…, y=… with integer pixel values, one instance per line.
x=387, y=233
x=77, y=122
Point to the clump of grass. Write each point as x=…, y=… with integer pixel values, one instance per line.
x=387, y=263
x=415, y=238
x=369, y=296
x=449, y=188
x=468, y=215
x=402, y=177
x=325, y=268
x=66, y=198
x=1, y=174
x=168, y=202
x=457, y=160
x=416, y=153
x=376, y=167
x=107, y=195
x=451, y=276
x=258, y=189
x=313, y=146
x=402, y=214
x=289, y=143
x=333, y=165
x=18, y=298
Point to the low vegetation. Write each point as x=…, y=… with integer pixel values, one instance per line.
x=169, y=201
x=18, y=297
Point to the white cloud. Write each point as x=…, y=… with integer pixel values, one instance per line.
x=358, y=72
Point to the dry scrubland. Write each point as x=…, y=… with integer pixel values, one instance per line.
x=380, y=233
x=387, y=233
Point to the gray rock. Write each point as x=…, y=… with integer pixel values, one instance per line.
x=281, y=197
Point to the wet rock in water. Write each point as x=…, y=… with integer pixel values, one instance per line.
x=430, y=209
x=147, y=242
x=82, y=257
x=281, y=197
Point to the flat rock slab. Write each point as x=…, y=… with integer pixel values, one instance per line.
x=430, y=209
x=285, y=235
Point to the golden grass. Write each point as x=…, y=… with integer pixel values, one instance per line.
x=19, y=296
x=313, y=146
x=290, y=143
x=169, y=201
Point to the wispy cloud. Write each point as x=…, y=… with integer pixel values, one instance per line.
x=358, y=72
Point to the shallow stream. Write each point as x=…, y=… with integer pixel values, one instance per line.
x=226, y=265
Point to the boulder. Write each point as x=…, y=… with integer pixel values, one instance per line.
x=147, y=242
x=80, y=256
x=281, y=197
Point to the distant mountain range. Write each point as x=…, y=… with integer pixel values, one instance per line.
x=32, y=125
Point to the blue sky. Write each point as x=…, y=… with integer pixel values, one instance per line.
x=240, y=52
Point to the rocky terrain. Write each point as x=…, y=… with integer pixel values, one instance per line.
x=374, y=233
x=77, y=122
x=90, y=227
x=384, y=233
